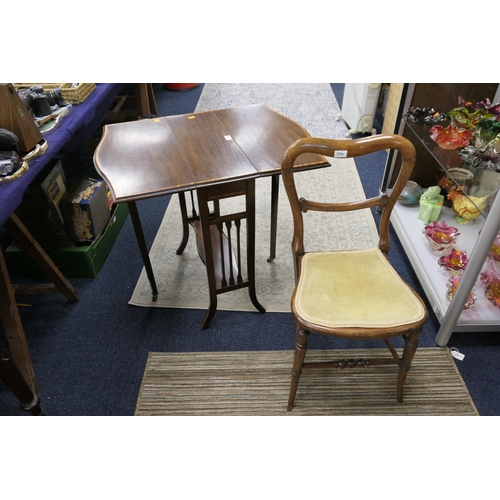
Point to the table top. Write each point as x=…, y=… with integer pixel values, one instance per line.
x=170, y=154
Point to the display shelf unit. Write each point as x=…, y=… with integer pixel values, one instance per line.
x=483, y=316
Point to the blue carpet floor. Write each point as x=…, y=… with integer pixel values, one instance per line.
x=89, y=357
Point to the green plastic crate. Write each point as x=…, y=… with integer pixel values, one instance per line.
x=73, y=262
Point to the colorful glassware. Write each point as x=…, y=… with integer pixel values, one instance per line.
x=490, y=274
x=492, y=293
x=487, y=132
x=441, y=237
x=455, y=262
x=495, y=249
x=494, y=252
x=490, y=279
x=464, y=118
x=453, y=283
x=428, y=116
x=493, y=109
x=450, y=137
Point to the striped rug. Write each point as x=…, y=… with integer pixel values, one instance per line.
x=257, y=383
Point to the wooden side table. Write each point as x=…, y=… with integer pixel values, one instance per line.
x=216, y=154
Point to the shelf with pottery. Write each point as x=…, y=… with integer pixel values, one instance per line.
x=483, y=316
x=459, y=168
x=476, y=239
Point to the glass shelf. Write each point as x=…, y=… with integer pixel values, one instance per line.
x=483, y=316
x=482, y=183
x=446, y=158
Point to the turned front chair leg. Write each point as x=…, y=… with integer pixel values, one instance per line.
x=301, y=338
x=411, y=344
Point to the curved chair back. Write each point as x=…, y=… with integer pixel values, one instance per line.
x=336, y=148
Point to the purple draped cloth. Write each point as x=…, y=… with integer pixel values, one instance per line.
x=74, y=129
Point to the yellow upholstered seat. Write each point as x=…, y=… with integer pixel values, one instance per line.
x=354, y=289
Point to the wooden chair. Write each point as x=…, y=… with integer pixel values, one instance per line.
x=351, y=294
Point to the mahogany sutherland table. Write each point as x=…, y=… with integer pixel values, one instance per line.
x=216, y=153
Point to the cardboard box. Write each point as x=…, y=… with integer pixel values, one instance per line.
x=73, y=261
x=86, y=210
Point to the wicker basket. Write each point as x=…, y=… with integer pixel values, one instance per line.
x=72, y=95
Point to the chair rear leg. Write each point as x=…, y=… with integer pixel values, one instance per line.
x=411, y=344
x=301, y=337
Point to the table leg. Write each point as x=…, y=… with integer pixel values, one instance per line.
x=208, y=255
x=13, y=379
x=15, y=337
x=275, y=184
x=26, y=241
x=250, y=209
x=141, y=241
x=146, y=103
x=185, y=223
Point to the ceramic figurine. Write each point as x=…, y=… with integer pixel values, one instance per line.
x=411, y=194
x=430, y=204
x=467, y=208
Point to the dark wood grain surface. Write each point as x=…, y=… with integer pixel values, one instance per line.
x=264, y=135
x=209, y=149
x=141, y=159
x=159, y=156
